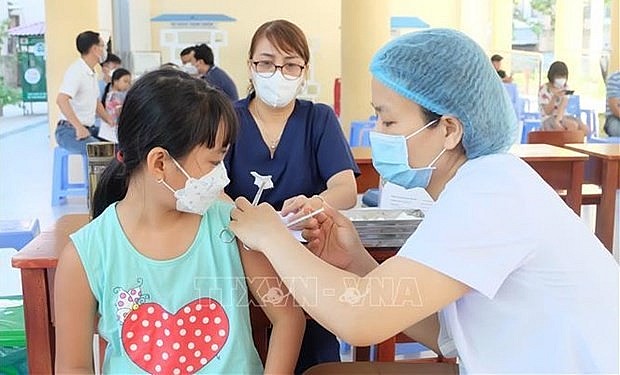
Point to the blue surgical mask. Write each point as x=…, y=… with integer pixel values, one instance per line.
x=390, y=157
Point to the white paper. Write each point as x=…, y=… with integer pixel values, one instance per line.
x=295, y=233
x=107, y=132
x=395, y=197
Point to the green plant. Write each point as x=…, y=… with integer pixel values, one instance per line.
x=9, y=95
x=545, y=7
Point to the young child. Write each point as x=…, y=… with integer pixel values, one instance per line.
x=115, y=91
x=169, y=291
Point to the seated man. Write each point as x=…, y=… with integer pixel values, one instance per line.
x=612, y=120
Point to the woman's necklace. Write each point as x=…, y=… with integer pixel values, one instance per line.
x=272, y=143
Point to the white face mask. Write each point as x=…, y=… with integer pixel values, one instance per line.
x=104, y=56
x=199, y=194
x=559, y=83
x=190, y=69
x=276, y=90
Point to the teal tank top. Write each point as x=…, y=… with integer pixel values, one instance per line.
x=184, y=315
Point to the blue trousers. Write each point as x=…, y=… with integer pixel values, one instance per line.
x=612, y=126
x=65, y=137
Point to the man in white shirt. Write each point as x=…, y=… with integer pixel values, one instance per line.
x=78, y=98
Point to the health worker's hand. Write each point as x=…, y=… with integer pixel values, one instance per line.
x=257, y=227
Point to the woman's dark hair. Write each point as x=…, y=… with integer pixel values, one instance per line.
x=557, y=69
x=118, y=74
x=164, y=108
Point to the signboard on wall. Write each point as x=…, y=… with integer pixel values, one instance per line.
x=31, y=63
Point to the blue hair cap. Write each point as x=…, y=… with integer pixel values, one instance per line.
x=448, y=73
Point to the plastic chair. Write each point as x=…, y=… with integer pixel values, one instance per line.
x=61, y=187
x=359, y=135
x=529, y=125
x=16, y=234
x=513, y=94
x=573, y=108
x=371, y=198
x=611, y=140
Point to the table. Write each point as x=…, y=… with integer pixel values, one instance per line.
x=603, y=168
x=37, y=262
x=559, y=167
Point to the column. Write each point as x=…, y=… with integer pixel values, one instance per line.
x=501, y=39
x=475, y=21
x=568, y=43
x=365, y=27
x=64, y=20
x=597, y=13
x=614, y=61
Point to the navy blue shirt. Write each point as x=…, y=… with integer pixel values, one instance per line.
x=218, y=78
x=311, y=150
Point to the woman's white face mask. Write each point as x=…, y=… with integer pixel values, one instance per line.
x=276, y=91
x=559, y=83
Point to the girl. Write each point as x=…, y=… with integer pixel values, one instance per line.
x=169, y=291
x=553, y=100
x=115, y=91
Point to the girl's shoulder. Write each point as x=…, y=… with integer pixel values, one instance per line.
x=218, y=215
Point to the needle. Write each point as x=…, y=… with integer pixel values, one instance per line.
x=305, y=217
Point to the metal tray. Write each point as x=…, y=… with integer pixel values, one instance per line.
x=383, y=227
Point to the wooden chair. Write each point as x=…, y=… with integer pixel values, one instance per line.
x=386, y=351
x=556, y=138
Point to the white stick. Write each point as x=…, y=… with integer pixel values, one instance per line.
x=305, y=217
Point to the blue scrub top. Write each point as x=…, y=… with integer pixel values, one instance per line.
x=311, y=150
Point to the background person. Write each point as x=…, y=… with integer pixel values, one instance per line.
x=612, y=120
x=496, y=60
x=553, y=99
x=297, y=142
x=213, y=75
x=111, y=63
x=78, y=99
x=188, y=61
x=115, y=92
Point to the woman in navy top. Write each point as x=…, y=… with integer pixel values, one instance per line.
x=299, y=143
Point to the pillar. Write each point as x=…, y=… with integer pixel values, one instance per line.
x=501, y=38
x=365, y=27
x=568, y=43
x=614, y=61
x=64, y=20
